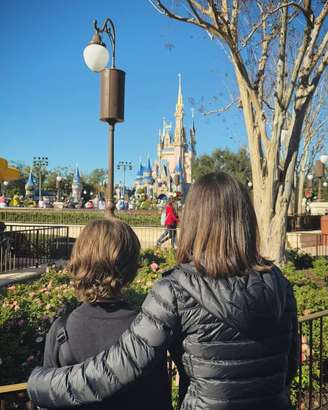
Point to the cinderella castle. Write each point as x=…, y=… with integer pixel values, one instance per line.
x=171, y=171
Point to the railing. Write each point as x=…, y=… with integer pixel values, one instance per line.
x=315, y=244
x=303, y=223
x=24, y=247
x=148, y=235
x=309, y=390
x=14, y=396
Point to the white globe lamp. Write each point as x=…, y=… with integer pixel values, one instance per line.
x=310, y=177
x=249, y=183
x=96, y=56
x=324, y=158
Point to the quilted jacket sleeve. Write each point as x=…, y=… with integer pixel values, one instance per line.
x=110, y=371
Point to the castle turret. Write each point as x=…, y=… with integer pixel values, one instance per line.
x=139, y=178
x=30, y=186
x=76, y=185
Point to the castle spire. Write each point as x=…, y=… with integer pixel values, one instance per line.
x=179, y=134
x=179, y=105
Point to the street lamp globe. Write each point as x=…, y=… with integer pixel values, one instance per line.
x=324, y=158
x=58, y=178
x=250, y=184
x=310, y=177
x=96, y=56
x=325, y=184
x=5, y=183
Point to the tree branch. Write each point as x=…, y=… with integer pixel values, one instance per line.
x=223, y=109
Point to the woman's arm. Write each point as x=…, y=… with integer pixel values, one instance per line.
x=133, y=355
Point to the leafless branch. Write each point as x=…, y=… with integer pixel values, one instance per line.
x=223, y=109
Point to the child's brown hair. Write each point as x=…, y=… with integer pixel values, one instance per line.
x=104, y=259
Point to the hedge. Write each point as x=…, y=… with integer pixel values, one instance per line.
x=75, y=217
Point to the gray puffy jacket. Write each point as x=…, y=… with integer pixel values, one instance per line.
x=234, y=340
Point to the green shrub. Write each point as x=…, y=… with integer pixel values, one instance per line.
x=320, y=267
x=76, y=217
x=300, y=259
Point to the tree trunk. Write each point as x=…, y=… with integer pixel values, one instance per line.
x=300, y=192
x=273, y=228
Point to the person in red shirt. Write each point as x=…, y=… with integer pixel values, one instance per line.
x=171, y=222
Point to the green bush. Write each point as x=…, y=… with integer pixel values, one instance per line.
x=320, y=267
x=76, y=217
x=300, y=259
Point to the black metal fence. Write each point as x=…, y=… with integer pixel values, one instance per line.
x=22, y=247
x=315, y=244
x=311, y=386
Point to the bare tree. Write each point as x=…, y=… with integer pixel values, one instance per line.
x=314, y=137
x=288, y=40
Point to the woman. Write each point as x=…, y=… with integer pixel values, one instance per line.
x=104, y=261
x=170, y=223
x=227, y=314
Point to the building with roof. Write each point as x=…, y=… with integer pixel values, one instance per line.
x=171, y=171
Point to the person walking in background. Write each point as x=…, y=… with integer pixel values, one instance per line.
x=103, y=262
x=170, y=222
x=227, y=314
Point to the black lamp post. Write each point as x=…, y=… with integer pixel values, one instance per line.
x=112, y=83
x=40, y=163
x=58, y=181
x=124, y=165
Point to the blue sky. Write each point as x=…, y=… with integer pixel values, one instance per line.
x=49, y=101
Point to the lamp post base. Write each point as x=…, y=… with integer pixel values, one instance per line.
x=110, y=209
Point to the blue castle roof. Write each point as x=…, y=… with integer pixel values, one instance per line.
x=77, y=178
x=30, y=181
x=147, y=168
x=140, y=170
x=178, y=168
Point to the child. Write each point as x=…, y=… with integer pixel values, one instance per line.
x=104, y=261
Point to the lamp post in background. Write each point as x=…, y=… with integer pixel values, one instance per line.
x=112, y=81
x=58, y=181
x=124, y=166
x=40, y=163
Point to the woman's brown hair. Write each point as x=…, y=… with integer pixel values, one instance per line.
x=219, y=231
x=104, y=259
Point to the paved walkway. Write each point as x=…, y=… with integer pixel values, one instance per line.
x=21, y=275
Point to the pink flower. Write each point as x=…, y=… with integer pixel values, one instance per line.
x=16, y=307
x=30, y=359
x=31, y=294
x=154, y=266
